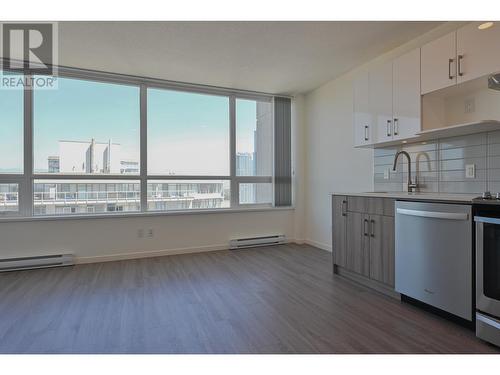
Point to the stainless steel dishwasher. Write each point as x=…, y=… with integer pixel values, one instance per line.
x=434, y=255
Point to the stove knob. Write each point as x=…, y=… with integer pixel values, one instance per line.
x=486, y=195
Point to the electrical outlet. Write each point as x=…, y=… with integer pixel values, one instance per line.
x=140, y=233
x=150, y=233
x=469, y=105
x=470, y=171
x=387, y=173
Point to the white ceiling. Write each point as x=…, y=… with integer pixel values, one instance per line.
x=274, y=57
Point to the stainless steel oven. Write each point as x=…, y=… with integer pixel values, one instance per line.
x=488, y=275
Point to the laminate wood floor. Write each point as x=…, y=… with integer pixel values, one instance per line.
x=281, y=299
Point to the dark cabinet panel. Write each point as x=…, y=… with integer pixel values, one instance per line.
x=382, y=249
x=363, y=236
x=357, y=204
x=339, y=219
x=356, y=228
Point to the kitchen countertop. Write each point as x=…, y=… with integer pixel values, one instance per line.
x=435, y=197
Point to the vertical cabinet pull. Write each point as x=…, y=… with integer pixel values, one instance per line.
x=365, y=227
x=344, y=208
x=450, y=61
x=389, y=132
x=396, y=126
x=372, y=222
x=460, y=73
x=366, y=132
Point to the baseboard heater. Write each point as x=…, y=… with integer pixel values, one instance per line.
x=44, y=261
x=241, y=243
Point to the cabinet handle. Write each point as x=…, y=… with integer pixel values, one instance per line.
x=450, y=61
x=344, y=208
x=366, y=132
x=365, y=229
x=396, y=130
x=372, y=228
x=460, y=73
x=389, y=128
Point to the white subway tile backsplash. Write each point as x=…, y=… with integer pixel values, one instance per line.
x=462, y=187
x=385, y=151
x=463, y=152
x=481, y=175
x=494, y=149
x=441, y=165
x=494, y=175
x=494, y=137
x=384, y=160
x=494, y=187
x=459, y=164
x=493, y=161
x=463, y=141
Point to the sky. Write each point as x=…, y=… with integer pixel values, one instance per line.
x=178, y=123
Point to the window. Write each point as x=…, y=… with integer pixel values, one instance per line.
x=188, y=194
x=201, y=149
x=11, y=131
x=254, y=151
x=256, y=193
x=86, y=127
x=188, y=133
x=9, y=198
x=55, y=197
x=254, y=138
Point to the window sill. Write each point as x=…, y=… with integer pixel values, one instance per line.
x=144, y=214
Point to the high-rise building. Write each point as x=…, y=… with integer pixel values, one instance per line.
x=84, y=196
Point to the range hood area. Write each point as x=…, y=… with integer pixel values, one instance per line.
x=468, y=108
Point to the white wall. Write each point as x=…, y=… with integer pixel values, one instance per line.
x=116, y=238
x=331, y=162
x=298, y=161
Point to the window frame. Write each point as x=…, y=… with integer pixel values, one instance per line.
x=27, y=179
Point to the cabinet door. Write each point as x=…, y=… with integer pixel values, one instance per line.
x=406, y=95
x=478, y=51
x=381, y=101
x=439, y=64
x=363, y=129
x=357, y=233
x=339, y=218
x=357, y=204
x=382, y=249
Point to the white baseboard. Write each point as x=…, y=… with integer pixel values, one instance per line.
x=319, y=245
x=149, y=254
x=154, y=253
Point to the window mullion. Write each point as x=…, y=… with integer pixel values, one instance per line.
x=144, y=149
x=232, y=142
x=26, y=188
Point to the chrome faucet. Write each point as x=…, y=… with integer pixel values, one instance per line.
x=411, y=185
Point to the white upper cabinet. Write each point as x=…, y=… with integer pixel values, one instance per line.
x=478, y=51
x=381, y=101
x=363, y=123
x=387, y=101
x=438, y=63
x=406, y=95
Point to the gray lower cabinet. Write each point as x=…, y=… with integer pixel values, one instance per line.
x=357, y=244
x=363, y=237
x=382, y=249
x=339, y=233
